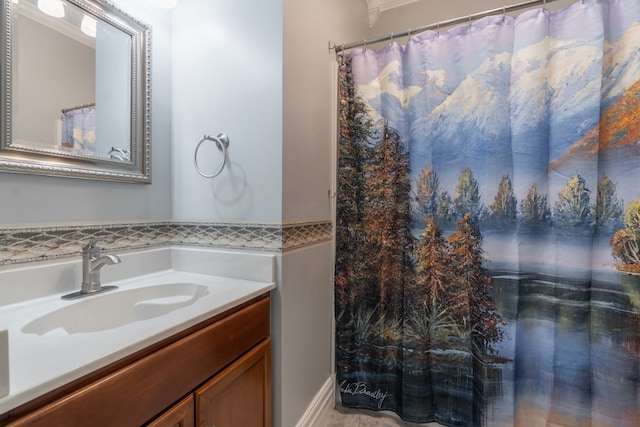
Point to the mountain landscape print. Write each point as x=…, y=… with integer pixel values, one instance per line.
x=488, y=221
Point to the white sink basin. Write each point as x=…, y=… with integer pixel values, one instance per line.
x=161, y=292
x=105, y=311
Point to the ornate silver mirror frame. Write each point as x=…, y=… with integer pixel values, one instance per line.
x=121, y=165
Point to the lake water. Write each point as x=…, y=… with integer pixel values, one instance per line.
x=574, y=346
x=571, y=348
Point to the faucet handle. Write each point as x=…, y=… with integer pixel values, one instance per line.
x=92, y=246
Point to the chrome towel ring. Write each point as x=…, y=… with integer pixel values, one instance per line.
x=222, y=142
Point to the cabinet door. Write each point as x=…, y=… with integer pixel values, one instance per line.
x=240, y=396
x=182, y=414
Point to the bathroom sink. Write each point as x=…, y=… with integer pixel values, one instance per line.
x=112, y=310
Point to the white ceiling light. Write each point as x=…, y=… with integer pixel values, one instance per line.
x=53, y=8
x=164, y=4
x=89, y=25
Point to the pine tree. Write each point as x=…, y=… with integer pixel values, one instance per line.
x=387, y=222
x=609, y=210
x=626, y=242
x=535, y=211
x=445, y=209
x=427, y=189
x=572, y=208
x=475, y=310
x=355, y=129
x=467, y=198
x=433, y=279
x=504, y=208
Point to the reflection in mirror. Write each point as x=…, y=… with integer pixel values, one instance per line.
x=76, y=96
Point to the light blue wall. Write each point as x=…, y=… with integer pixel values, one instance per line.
x=303, y=321
x=227, y=77
x=41, y=200
x=261, y=71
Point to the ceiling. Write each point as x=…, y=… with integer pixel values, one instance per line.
x=375, y=7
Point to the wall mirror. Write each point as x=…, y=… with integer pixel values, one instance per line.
x=75, y=90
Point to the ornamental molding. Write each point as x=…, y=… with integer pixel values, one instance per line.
x=375, y=7
x=19, y=245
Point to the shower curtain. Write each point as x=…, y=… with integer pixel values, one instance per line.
x=488, y=222
x=79, y=129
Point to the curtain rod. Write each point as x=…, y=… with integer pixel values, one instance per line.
x=78, y=107
x=437, y=25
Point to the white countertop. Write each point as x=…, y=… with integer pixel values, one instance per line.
x=41, y=363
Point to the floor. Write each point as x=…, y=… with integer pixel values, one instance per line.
x=346, y=417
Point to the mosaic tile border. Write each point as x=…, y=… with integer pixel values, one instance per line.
x=31, y=244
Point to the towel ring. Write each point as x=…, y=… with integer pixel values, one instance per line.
x=222, y=142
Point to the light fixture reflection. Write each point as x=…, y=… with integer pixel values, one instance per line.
x=164, y=4
x=89, y=25
x=53, y=8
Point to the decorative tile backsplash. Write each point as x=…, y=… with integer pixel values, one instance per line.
x=22, y=244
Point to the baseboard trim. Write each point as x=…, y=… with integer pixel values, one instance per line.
x=324, y=400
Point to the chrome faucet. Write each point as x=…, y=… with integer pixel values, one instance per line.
x=92, y=262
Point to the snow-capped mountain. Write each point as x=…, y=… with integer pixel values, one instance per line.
x=548, y=93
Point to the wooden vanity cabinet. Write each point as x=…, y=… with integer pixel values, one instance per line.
x=179, y=415
x=240, y=395
x=217, y=374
